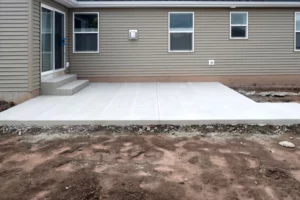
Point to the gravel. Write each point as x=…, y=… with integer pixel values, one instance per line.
x=192, y=130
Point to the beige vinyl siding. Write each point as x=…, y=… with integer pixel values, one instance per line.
x=269, y=49
x=13, y=45
x=36, y=35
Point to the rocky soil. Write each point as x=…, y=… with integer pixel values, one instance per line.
x=271, y=94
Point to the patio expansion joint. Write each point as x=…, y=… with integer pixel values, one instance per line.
x=113, y=97
x=134, y=100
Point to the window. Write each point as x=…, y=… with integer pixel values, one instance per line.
x=297, y=31
x=86, y=33
x=238, y=25
x=181, y=32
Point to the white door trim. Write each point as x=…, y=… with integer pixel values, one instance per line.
x=53, y=45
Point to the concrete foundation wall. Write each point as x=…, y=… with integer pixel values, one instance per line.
x=18, y=97
x=244, y=80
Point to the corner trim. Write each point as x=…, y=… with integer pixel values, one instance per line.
x=30, y=46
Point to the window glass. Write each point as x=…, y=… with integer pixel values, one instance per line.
x=238, y=18
x=298, y=22
x=86, y=42
x=86, y=32
x=181, y=21
x=181, y=31
x=86, y=22
x=298, y=41
x=238, y=31
x=239, y=25
x=181, y=41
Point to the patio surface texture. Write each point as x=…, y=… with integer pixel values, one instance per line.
x=150, y=103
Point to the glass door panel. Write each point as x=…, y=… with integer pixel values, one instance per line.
x=59, y=41
x=47, y=40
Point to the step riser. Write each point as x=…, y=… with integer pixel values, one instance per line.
x=63, y=86
x=48, y=88
x=66, y=92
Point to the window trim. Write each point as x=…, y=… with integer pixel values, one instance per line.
x=230, y=25
x=74, y=13
x=295, y=32
x=169, y=34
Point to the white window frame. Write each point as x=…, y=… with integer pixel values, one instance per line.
x=295, y=33
x=231, y=25
x=74, y=51
x=169, y=33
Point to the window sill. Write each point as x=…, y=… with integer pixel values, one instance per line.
x=85, y=51
x=192, y=51
x=236, y=38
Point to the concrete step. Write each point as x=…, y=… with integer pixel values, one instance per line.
x=72, y=88
x=49, y=86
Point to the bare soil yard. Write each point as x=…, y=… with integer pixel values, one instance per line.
x=102, y=165
x=279, y=94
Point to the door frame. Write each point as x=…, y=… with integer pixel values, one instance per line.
x=53, y=42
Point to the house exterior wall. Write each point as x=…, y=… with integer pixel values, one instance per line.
x=14, y=41
x=269, y=49
x=15, y=51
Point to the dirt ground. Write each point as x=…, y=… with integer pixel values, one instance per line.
x=268, y=98
x=215, y=165
x=5, y=105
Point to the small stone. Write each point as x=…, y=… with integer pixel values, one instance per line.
x=209, y=127
x=291, y=138
x=255, y=182
x=148, y=128
x=20, y=132
x=287, y=144
x=272, y=151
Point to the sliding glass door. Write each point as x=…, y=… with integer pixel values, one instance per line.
x=52, y=40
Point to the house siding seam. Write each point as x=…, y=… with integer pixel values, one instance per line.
x=36, y=36
x=14, y=45
x=268, y=51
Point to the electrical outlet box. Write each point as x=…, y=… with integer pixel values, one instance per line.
x=211, y=62
x=133, y=34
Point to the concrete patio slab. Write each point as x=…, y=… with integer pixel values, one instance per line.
x=150, y=103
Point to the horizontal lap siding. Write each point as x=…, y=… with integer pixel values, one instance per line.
x=13, y=45
x=269, y=49
x=36, y=35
